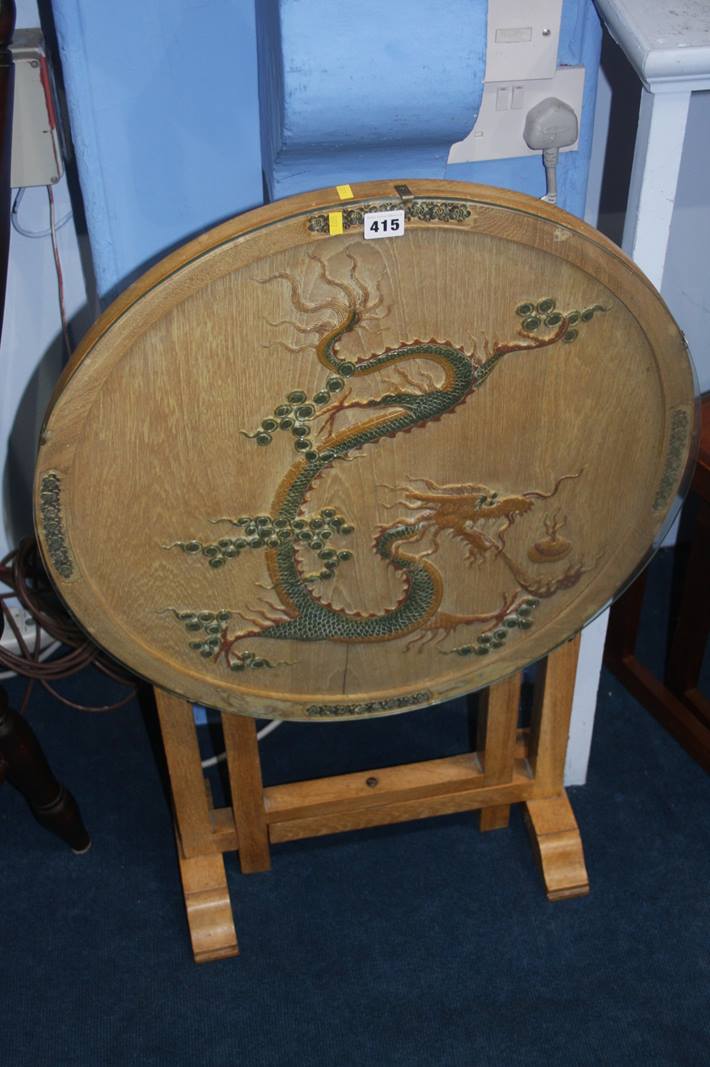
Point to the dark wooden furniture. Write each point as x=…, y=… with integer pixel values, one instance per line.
x=676, y=700
x=23, y=765
x=22, y=761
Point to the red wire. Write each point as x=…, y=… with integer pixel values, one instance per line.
x=22, y=572
x=58, y=267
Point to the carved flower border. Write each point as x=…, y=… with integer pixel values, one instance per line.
x=420, y=210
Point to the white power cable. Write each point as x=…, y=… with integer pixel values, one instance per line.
x=549, y=158
x=221, y=756
x=22, y=230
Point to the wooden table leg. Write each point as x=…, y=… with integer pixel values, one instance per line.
x=204, y=880
x=497, y=731
x=553, y=827
x=244, y=765
x=203, y=833
x=26, y=768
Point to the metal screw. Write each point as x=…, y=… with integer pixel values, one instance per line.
x=34, y=62
x=546, y=33
x=372, y=782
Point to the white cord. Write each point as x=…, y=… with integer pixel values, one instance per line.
x=268, y=729
x=58, y=269
x=549, y=158
x=221, y=756
x=17, y=225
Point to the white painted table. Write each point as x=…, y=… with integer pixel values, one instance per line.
x=668, y=45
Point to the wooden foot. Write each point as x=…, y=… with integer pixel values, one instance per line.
x=495, y=817
x=558, y=846
x=209, y=909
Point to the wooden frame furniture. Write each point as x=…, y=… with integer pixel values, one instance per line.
x=193, y=461
x=675, y=701
x=195, y=497
x=510, y=766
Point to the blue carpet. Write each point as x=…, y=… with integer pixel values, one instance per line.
x=425, y=945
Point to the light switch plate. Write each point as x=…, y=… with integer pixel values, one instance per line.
x=523, y=38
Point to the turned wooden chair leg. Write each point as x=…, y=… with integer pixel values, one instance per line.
x=26, y=768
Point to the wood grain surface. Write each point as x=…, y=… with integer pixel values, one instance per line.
x=318, y=477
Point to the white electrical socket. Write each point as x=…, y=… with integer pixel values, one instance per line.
x=26, y=625
x=498, y=133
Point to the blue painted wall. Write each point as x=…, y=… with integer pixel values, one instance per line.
x=165, y=117
x=164, y=112
x=363, y=91
x=580, y=46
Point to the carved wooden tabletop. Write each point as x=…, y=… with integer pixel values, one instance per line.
x=293, y=472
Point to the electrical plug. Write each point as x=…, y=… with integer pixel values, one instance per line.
x=549, y=126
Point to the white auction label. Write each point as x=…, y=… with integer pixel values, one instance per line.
x=383, y=224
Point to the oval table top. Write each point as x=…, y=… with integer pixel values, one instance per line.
x=295, y=472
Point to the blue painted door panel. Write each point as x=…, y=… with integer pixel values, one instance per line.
x=370, y=92
x=164, y=112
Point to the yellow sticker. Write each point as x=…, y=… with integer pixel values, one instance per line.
x=335, y=222
x=344, y=192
